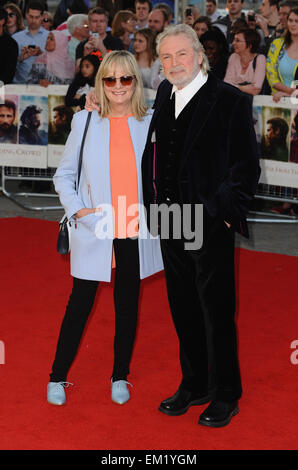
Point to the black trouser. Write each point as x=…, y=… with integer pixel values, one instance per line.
x=126, y=297
x=201, y=292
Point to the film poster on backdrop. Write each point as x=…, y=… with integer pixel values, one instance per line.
x=35, y=124
x=276, y=126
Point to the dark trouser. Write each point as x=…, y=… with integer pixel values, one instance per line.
x=201, y=292
x=126, y=298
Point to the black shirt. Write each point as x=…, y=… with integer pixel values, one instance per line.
x=110, y=42
x=8, y=58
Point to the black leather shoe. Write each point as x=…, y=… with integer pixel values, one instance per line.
x=179, y=403
x=219, y=413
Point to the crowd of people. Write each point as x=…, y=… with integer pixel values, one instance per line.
x=256, y=52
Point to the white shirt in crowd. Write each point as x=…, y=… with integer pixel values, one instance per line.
x=215, y=16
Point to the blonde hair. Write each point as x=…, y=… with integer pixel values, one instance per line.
x=126, y=61
x=191, y=35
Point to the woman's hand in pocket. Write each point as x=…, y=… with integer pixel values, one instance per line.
x=82, y=212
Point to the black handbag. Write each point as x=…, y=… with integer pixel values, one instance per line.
x=63, y=241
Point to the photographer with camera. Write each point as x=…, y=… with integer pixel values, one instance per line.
x=269, y=21
x=100, y=40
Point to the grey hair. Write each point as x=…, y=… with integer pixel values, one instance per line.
x=75, y=21
x=189, y=32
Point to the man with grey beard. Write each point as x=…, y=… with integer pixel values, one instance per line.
x=201, y=150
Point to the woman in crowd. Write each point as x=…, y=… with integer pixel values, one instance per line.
x=15, y=21
x=201, y=25
x=281, y=72
x=246, y=68
x=282, y=60
x=111, y=171
x=124, y=27
x=83, y=81
x=53, y=66
x=47, y=21
x=144, y=50
x=217, y=51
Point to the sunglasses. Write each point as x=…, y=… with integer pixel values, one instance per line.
x=126, y=80
x=46, y=20
x=11, y=15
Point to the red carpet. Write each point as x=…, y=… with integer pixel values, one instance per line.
x=35, y=284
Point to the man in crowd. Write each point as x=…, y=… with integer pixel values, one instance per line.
x=28, y=132
x=8, y=131
x=78, y=28
x=31, y=41
x=284, y=10
x=143, y=8
x=225, y=23
x=158, y=20
x=168, y=10
x=100, y=40
x=61, y=125
x=269, y=20
x=211, y=10
x=186, y=163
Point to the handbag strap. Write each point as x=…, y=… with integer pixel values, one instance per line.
x=82, y=148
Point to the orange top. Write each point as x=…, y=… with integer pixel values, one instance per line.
x=123, y=176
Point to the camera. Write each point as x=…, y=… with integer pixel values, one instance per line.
x=32, y=46
x=188, y=12
x=95, y=35
x=251, y=17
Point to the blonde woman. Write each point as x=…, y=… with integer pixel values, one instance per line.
x=111, y=171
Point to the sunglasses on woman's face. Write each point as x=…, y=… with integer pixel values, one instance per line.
x=46, y=20
x=126, y=80
x=11, y=15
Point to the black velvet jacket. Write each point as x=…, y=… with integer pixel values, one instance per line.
x=219, y=166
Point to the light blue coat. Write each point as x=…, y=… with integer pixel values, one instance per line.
x=91, y=257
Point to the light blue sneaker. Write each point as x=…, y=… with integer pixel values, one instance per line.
x=56, y=393
x=120, y=392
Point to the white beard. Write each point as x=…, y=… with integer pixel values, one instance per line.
x=186, y=79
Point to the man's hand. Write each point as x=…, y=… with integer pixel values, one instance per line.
x=263, y=23
x=98, y=44
x=251, y=23
x=189, y=20
x=92, y=102
x=36, y=51
x=88, y=48
x=25, y=53
x=29, y=52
